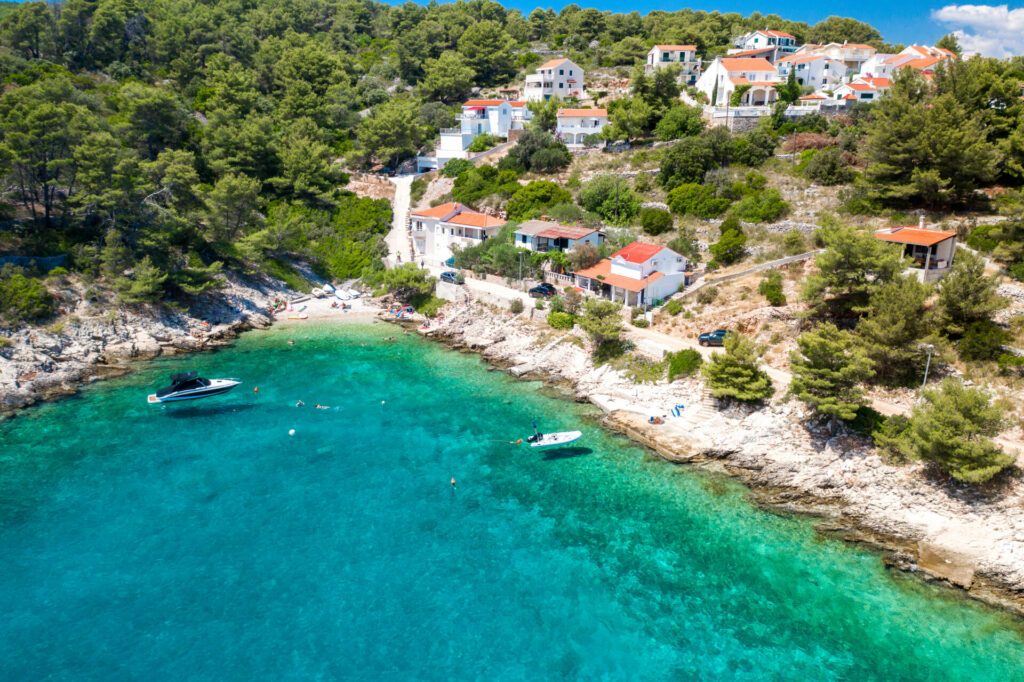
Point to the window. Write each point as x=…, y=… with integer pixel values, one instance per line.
x=561, y=85
x=561, y=72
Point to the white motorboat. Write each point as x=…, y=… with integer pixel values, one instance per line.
x=352, y=293
x=342, y=295
x=191, y=386
x=550, y=440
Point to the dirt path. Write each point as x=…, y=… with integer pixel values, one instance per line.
x=399, y=246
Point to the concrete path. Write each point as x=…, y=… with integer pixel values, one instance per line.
x=398, y=239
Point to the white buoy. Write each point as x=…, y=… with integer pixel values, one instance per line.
x=291, y=432
x=382, y=402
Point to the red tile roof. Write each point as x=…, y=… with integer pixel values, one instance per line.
x=474, y=219
x=637, y=252
x=747, y=64
x=776, y=34
x=602, y=273
x=914, y=235
x=552, y=63
x=597, y=113
x=860, y=87
x=440, y=211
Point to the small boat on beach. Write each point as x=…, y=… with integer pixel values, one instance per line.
x=551, y=440
x=191, y=386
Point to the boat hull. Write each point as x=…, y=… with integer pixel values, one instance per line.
x=217, y=387
x=554, y=440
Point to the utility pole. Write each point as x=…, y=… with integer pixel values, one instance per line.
x=927, y=365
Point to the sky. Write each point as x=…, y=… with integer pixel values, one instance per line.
x=992, y=30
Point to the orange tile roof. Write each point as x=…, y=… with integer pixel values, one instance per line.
x=597, y=113
x=860, y=46
x=676, y=48
x=602, y=272
x=914, y=235
x=923, y=63
x=776, y=34
x=552, y=63
x=814, y=96
x=440, y=211
x=860, y=87
x=747, y=64
x=474, y=219
x=637, y=252
x=484, y=102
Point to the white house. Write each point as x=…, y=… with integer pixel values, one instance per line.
x=921, y=58
x=479, y=117
x=725, y=74
x=559, y=77
x=683, y=56
x=638, y=274
x=435, y=231
x=817, y=71
x=574, y=126
x=779, y=42
x=931, y=251
x=853, y=55
x=546, y=235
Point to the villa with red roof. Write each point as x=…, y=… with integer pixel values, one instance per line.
x=682, y=56
x=559, y=78
x=779, y=42
x=575, y=126
x=818, y=71
x=726, y=74
x=547, y=235
x=931, y=251
x=438, y=231
x=637, y=274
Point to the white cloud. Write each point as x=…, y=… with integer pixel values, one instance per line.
x=990, y=30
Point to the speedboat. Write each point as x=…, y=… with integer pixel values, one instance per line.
x=191, y=386
x=549, y=440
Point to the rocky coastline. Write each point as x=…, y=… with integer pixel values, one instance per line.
x=970, y=540
x=94, y=339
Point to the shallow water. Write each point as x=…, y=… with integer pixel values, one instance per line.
x=201, y=541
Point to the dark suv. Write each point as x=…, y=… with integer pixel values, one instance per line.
x=450, y=276
x=543, y=290
x=715, y=338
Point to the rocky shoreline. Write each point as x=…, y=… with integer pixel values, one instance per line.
x=967, y=539
x=93, y=339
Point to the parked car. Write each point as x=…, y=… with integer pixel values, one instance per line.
x=543, y=290
x=715, y=338
x=450, y=276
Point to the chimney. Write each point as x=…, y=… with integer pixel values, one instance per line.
x=920, y=222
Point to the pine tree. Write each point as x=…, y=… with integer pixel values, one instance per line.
x=892, y=330
x=966, y=294
x=827, y=372
x=736, y=373
x=953, y=428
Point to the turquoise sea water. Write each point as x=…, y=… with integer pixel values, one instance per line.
x=200, y=541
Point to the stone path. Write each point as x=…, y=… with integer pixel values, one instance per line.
x=398, y=240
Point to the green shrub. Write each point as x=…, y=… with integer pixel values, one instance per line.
x=982, y=340
x=560, y=320
x=982, y=239
x=1009, y=362
x=57, y=272
x=697, y=200
x=430, y=306
x=829, y=167
x=707, y=295
x=23, y=299
x=729, y=248
x=1016, y=271
x=482, y=143
x=794, y=242
x=674, y=306
x=516, y=306
x=417, y=189
x=641, y=322
x=456, y=167
x=533, y=199
x=611, y=198
x=685, y=363
x=771, y=288
x=655, y=221
x=761, y=207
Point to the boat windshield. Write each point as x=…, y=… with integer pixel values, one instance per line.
x=190, y=384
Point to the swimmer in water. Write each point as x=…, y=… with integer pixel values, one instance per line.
x=299, y=403
x=453, y=483
x=322, y=407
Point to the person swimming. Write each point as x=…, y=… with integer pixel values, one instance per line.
x=322, y=407
x=299, y=403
